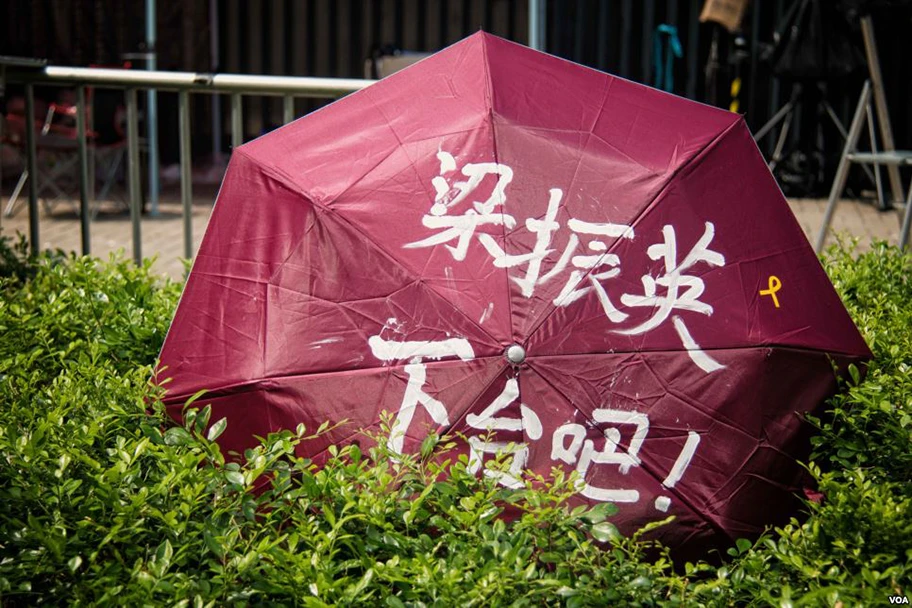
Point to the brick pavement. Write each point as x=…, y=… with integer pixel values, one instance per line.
x=111, y=231
x=162, y=236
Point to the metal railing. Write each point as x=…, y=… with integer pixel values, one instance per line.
x=184, y=83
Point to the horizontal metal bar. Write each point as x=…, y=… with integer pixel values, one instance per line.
x=191, y=81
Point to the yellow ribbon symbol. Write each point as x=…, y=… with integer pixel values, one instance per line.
x=774, y=285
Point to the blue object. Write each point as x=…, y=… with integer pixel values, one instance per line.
x=664, y=66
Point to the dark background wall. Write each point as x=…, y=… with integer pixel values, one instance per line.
x=334, y=37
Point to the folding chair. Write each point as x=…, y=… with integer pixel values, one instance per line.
x=58, y=157
x=56, y=149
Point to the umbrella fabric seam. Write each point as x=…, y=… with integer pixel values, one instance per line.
x=708, y=411
x=657, y=478
x=193, y=265
x=236, y=387
x=269, y=171
x=465, y=412
x=489, y=93
x=646, y=209
x=796, y=349
x=239, y=387
x=460, y=417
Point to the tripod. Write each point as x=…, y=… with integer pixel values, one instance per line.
x=786, y=116
x=890, y=157
x=811, y=48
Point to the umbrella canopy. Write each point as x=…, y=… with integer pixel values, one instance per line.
x=539, y=256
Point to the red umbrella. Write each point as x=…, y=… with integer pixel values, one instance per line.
x=534, y=254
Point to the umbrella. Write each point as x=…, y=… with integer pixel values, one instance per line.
x=543, y=258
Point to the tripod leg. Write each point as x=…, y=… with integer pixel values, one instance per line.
x=11, y=205
x=842, y=131
x=881, y=203
x=785, y=111
x=780, y=143
x=880, y=102
x=907, y=221
x=842, y=172
x=838, y=123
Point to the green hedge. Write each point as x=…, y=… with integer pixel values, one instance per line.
x=103, y=503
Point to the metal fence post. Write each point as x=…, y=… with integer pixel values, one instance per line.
x=131, y=82
x=84, y=203
x=907, y=222
x=32, y=165
x=134, y=174
x=2, y=95
x=186, y=178
x=152, y=110
x=626, y=36
x=237, y=121
x=287, y=109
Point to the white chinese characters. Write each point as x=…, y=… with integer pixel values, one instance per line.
x=614, y=438
x=587, y=262
x=579, y=260
x=682, y=291
x=488, y=420
x=416, y=370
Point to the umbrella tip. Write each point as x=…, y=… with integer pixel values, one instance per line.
x=515, y=354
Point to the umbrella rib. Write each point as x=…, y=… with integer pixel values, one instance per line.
x=430, y=194
x=239, y=387
x=563, y=203
x=330, y=212
x=362, y=430
x=648, y=470
x=798, y=349
x=393, y=259
x=645, y=211
x=698, y=405
x=707, y=411
x=621, y=152
x=503, y=225
x=715, y=495
x=465, y=412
